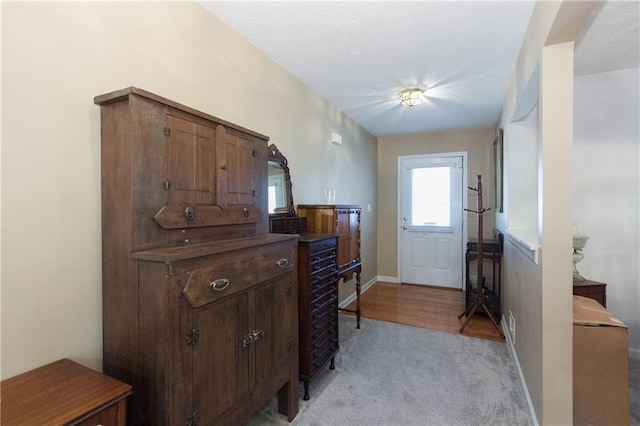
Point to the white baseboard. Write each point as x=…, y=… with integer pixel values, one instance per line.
x=394, y=280
x=514, y=355
x=363, y=288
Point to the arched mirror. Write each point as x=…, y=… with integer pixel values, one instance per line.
x=280, y=199
x=282, y=215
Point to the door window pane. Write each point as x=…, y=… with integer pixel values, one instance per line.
x=431, y=196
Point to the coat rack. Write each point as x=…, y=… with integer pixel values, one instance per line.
x=480, y=302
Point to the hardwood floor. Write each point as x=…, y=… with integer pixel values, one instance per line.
x=435, y=308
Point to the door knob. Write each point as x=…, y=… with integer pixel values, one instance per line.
x=405, y=227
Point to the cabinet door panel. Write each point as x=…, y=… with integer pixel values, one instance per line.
x=190, y=162
x=273, y=316
x=344, y=245
x=237, y=165
x=354, y=235
x=240, y=154
x=220, y=362
x=205, y=169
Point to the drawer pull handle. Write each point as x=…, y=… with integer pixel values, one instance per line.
x=219, y=284
x=189, y=213
x=282, y=262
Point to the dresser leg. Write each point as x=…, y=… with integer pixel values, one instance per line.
x=332, y=364
x=306, y=390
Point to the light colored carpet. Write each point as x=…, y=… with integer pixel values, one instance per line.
x=390, y=374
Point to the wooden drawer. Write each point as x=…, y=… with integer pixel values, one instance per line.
x=324, y=245
x=319, y=256
x=324, y=302
x=322, y=320
x=113, y=415
x=322, y=340
x=232, y=272
x=322, y=287
x=322, y=264
x=323, y=274
x=323, y=349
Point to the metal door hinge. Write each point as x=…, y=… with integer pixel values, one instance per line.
x=289, y=342
x=254, y=192
x=167, y=131
x=167, y=185
x=257, y=334
x=192, y=420
x=254, y=153
x=193, y=336
x=289, y=291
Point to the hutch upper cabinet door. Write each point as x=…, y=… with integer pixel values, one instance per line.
x=191, y=162
x=238, y=161
x=211, y=175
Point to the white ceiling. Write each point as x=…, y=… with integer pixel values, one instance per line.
x=360, y=54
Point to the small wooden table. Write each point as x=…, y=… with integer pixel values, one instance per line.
x=592, y=289
x=64, y=393
x=491, y=251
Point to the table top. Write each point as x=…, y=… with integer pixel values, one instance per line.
x=586, y=283
x=57, y=393
x=488, y=245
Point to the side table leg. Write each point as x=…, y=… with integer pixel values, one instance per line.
x=358, y=299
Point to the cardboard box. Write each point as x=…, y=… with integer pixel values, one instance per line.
x=600, y=365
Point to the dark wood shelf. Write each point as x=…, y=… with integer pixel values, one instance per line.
x=592, y=289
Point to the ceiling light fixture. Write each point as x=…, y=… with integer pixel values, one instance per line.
x=411, y=96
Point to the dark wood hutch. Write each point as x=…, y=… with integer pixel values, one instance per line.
x=200, y=302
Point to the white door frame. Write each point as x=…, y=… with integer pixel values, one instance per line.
x=465, y=196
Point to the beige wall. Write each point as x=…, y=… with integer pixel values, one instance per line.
x=55, y=58
x=478, y=143
x=539, y=295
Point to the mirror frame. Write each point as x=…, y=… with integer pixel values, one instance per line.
x=275, y=156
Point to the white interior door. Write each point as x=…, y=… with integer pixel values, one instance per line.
x=431, y=220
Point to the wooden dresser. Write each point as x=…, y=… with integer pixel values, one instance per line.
x=343, y=220
x=200, y=303
x=64, y=393
x=317, y=303
x=592, y=289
